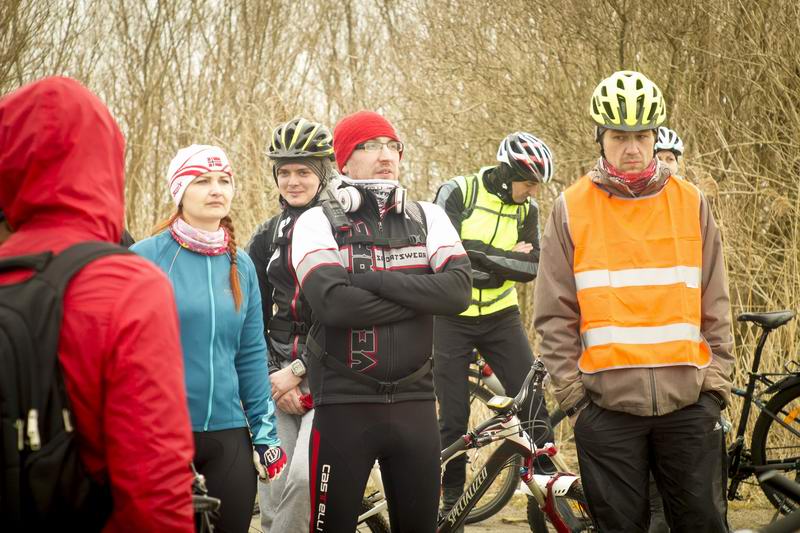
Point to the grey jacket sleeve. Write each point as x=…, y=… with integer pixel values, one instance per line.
x=715, y=323
x=557, y=314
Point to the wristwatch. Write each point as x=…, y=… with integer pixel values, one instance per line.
x=298, y=368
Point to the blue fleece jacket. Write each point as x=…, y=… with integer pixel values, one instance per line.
x=224, y=352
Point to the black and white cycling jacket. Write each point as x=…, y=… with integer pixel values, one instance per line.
x=373, y=290
x=287, y=316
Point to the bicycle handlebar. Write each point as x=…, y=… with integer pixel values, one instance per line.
x=458, y=446
x=203, y=504
x=537, y=370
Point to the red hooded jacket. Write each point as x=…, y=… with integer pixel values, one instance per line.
x=61, y=182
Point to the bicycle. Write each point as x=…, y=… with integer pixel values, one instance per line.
x=205, y=506
x=775, y=441
x=559, y=495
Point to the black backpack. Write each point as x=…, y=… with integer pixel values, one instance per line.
x=43, y=484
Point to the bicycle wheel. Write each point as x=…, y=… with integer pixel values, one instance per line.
x=773, y=443
x=572, y=508
x=375, y=524
x=506, y=482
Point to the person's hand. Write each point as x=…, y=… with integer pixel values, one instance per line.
x=291, y=402
x=269, y=460
x=523, y=247
x=282, y=382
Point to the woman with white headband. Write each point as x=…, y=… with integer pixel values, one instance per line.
x=224, y=351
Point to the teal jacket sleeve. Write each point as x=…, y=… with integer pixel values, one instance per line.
x=251, y=361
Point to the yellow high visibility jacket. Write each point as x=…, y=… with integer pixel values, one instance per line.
x=495, y=223
x=637, y=273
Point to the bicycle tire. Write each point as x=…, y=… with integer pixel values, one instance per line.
x=770, y=438
x=375, y=524
x=506, y=482
x=572, y=507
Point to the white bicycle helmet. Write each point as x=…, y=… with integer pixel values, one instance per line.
x=528, y=156
x=669, y=140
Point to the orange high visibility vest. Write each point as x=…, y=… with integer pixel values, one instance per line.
x=638, y=269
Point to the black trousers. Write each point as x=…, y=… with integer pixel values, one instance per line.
x=346, y=439
x=617, y=451
x=501, y=340
x=225, y=458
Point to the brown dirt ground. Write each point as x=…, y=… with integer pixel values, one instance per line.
x=741, y=515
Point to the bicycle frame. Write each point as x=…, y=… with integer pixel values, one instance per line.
x=484, y=375
x=738, y=470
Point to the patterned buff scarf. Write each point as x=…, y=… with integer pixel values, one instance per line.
x=198, y=240
x=635, y=181
x=381, y=189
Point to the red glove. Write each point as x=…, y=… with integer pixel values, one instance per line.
x=269, y=461
x=307, y=401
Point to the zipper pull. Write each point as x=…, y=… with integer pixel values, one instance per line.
x=34, y=441
x=20, y=425
x=67, y=420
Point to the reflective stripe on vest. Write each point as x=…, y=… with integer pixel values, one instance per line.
x=638, y=268
x=494, y=223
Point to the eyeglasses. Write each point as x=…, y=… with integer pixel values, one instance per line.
x=374, y=146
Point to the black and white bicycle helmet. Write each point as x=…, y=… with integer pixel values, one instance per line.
x=669, y=140
x=528, y=156
x=300, y=138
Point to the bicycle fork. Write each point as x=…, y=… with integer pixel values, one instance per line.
x=544, y=488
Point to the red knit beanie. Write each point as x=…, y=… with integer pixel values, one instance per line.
x=357, y=128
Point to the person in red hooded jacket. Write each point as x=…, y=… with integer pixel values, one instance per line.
x=61, y=182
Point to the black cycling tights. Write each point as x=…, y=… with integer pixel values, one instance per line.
x=346, y=439
x=225, y=458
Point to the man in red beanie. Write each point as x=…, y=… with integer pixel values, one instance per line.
x=373, y=284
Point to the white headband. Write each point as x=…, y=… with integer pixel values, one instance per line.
x=191, y=162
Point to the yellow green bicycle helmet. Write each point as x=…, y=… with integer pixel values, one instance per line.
x=300, y=138
x=628, y=101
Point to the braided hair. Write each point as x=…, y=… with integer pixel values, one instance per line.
x=236, y=289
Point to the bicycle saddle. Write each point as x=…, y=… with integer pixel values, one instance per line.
x=769, y=320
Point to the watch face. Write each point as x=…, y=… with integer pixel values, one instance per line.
x=297, y=367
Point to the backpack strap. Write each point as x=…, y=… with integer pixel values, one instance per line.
x=522, y=214
x=470, y=196
x=66, y=264
x=34, y=262
x=61, y=269
x=415, y=213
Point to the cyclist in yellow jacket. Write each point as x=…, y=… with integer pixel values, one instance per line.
x=633, y=309
x=497, y=220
